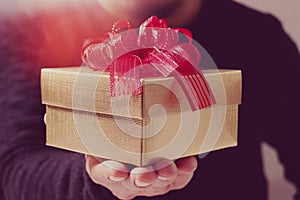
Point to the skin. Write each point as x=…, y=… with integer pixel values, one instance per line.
x=158, y=179
x=165, y=175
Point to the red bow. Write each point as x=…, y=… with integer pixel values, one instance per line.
x=153, y=51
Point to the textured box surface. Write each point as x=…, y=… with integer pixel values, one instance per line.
x=82, y=117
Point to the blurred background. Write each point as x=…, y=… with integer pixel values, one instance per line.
x=288, y=12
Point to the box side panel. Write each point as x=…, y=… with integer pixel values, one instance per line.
x=97, y=135
x=187, y=134
x=215, y=133
x=229, y=81
x=60, y=131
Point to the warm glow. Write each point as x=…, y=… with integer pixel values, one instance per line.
x=61, y=26
x=31, y=6
x=66, y=29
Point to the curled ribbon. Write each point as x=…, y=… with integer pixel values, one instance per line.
x=154, y=51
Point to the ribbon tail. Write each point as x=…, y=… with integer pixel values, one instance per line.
x=195, y=87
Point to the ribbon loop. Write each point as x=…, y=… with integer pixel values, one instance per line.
x=153, y=51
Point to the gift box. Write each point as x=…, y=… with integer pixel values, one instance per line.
x=138, y=129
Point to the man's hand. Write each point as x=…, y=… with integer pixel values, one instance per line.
x=158, y=179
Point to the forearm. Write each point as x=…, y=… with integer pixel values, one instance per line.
x=47, y=174
x=29, y=169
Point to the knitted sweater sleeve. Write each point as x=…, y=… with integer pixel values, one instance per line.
x=28, y=169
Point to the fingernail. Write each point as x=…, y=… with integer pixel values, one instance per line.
x=116, y=179
x=163, y=178
x=141, y=183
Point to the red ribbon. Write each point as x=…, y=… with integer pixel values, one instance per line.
x=154, y=51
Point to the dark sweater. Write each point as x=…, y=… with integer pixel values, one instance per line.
x=235, y=37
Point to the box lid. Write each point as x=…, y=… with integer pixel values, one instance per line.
x=81, y=88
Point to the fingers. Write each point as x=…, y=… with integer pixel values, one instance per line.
x=166, y=171
x=114, y=171
x=153, y=180
x=91, y=161
x=104, y=172
x=143, y=176
x=186, y=165
x=161, y=174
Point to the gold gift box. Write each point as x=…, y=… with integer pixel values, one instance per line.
x=139, y=129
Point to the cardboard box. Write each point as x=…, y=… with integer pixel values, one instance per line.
x=138, y=129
